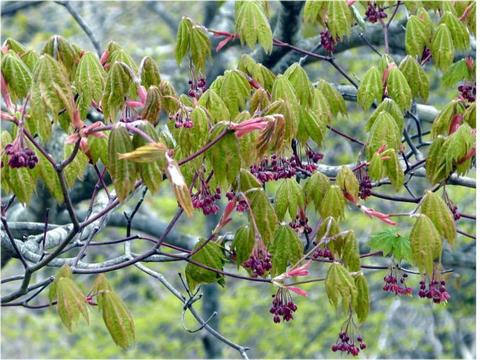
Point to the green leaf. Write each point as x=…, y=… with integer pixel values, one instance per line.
x=243, y=244
x=214, y=104
x=289, y=197
x=300, y=82
x=22, y=183
x=183, y=39
x=348, y=182
x=340, y=283
x=435, y=168
x=199, y=47
x=334, y=98
x=350, y=252
x=98, y=148
x=223, y=157
x=123, y=172
x=362, y=305
x=384, y=131
x=416, y=77
x=234, y=91
x=89, y=82
x=49, y=177
x=252, y=25
x=286, y=249
x=248, y=181
x=64, y=52
x=153, y=105
x=117, y=87
x=315, y=189
x=390, y=107
x=210, y=255
x=458, y=30
x=17, y=76
x=339, y=18
x=313, y=9
x=398, y=89
x=118, y=320
x=456, y=72
x=470, y=116
x=416, y=36
x=75, y=169
x=370, y=88
x=390, y=242
x=393, y=169
x=64, y=271
x=425, y=243
x=264, y=216
x=435, y=208
x=333, y=204
x=70, y=302
x=149, y=74
x=442, y=48
x=311, y=126
x=442, y=123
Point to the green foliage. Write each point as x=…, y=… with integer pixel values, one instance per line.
x=117, y=86
x=392, y=243
x=211, y=256
x=340, y=284
x=285, y=249
x=436, y=209
x=442, y=47
x=252, y=25
x=370, y=88
x=425, y=243
x=17, y=76
x=289, y=197
x=263, y=218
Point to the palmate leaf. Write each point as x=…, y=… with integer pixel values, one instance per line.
x=260, y=73
x=457, y=146
x=17, y=75
x=384, y=131
x=76, y=168
x=339, y=18
x=362, y=304
x=118, y=320
x=215, y=106
x=442, y=47
x=458, y=30
x=199, y=47
x=286, y=249
x=264, y=216
x=252, y=25
x=442, y=123
x=153, y=105
x=21, y=181
x=122, y=172
x=398, y=89
x=149, y=74
x=234, y=91
x=391, y=243
x=456, y=72
x=315, y=189
x=210, y=255
x=311, y=126
x=183, y=39
x=392, y=168
x=300, y=82
x=320, y=106
x=116, y=89
x=333, y=204
x=350, y=252
x=390, y=107
x=50, y=177
x=243, y=243
x=348, y=182
x=334, y=98
x=313, y=10
x=426, y=244
x=370, y=88
x=89, y=82
x=435, y=168
x=416, y=36
x=416, y=77
x=289, y=196
x=340, y=284
x=435, y=208
x=64, y=52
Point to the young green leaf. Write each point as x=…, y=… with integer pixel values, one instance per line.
x=149, y=74
x=436, y=209
x=426, y=244
x=300, y=82
x=340, y=283
x=370, y=88
x=333, y=204
x=252, y=25
x=390, y=242
x=117, y=87
x=398, y=89
x=390, y=107
x=286, y=249
x=118, y=320
x=243, y=243
x=416, y=77
x=264, y=216
x=215, y=106
x=289, y=197
x=70, y=302
x=348, y=182
x=392, y=168
x=416, y=36
x=384, y=131
x=458, y=30
x=17, y=76
x=442, y=47
x=234, y=91
x=339, y=18
x=334, y=98
x=89, y=82
x=362, y=304
x=315, y=189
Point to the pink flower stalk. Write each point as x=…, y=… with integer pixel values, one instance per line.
x=297, y=291
x=142, y=94
x=104, y=57
x=226, y=217
x=5, y=92
x=379, y=215
x=299, y=271
x=248, y=126
x=134, y=104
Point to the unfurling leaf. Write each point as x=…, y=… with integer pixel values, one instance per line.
x=118, y=320
x=392, y=168
x=350, y=252
x=348, y=182
x=146, y=153
x=333, y=203
x=64, y=52
x=362, y=306
x=435, y=164
x=252, y=25
x=370, y=88
x=289, y=197
x=234, y=91
x=436, y=209
x=286, y=249
x=315, y=189
x=215, y=106
x=180, y=188
x=153, y=105
x=340, y=283
x=442, y=48
x=300, y=82
x=70, y=302
x=123, y=173
x=390, y=107
x=149, y=74
x=89, y=82
x=117, y=87
x=416, y=77
x=209, y=255
x=243, y=243
x=458, y=30
x=223, y=157
x=426, y=244
x=443, y=121
x=264, y=217
x=17, y=75
x=398, y=89
x=334, y=98
x=339, y=18
x=384, y=132
x=416, y=36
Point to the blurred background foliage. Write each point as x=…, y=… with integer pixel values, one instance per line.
x=396, y=328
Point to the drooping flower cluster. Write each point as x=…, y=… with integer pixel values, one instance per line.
x=241, y=203
x=347, y=344
x=323, y=252
x=396, y=286
x=436, y=291
x=456, y=213
x=20, y=155
x=365, y=187
x=468, y=92
x=374, y=13
x=327, y=41
x=260, y=261
x=300, y=225
x=204, y=199
x=275, y=168
x=197, y=87
x=283, y=306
